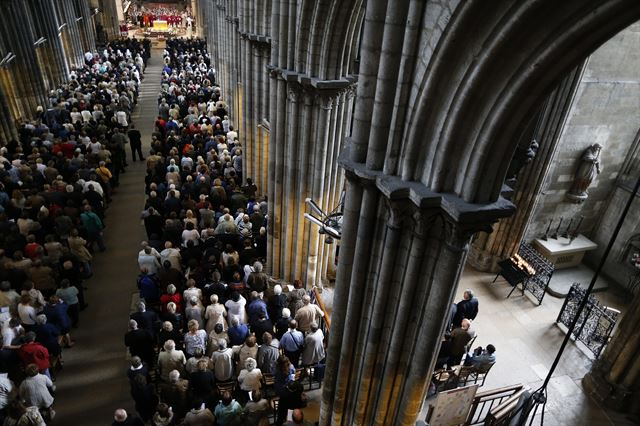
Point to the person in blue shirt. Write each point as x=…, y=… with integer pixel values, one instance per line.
x=481, y=358
x=292, y=343
x=148, y=286
x=56, y=312
x=237, y=332
x=256, y=307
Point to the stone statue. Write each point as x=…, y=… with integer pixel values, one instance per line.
x=587, y=171
x=522, y=157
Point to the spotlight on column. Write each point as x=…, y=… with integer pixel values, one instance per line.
x=329, y=224
x=316, y=208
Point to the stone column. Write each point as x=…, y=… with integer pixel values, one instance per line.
x=614, y=379
x=273, y=115
x=247, y=116
x=401, y=249
x=7, y=127
x=46, y=23
x=70, y=33
x=87, y=28
x=308, y=136
x=546, y=128
x=263, y=179
x=22, y=80
x=109, y=18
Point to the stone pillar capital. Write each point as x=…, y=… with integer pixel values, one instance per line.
x=399, y=212
x=293, y=92
x=326, y=102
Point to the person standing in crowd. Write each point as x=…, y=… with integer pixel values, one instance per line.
x=135, y=142
x=292, y=343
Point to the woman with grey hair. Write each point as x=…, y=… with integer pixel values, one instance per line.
x=249, y=378
x=48, y=335
x=215, y=314
x=258, y=280
x=171, y=296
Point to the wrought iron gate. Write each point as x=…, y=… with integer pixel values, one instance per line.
x=596, y=321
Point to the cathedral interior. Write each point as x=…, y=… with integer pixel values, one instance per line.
x=443, y=196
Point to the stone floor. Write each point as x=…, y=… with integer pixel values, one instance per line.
x=527, y=339
x=562, y=280
x=93, y=383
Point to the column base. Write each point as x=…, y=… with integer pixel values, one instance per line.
x=483, y=261
x=611, y=396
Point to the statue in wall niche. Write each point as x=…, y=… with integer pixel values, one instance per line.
x=587, y=171
x=523, y=156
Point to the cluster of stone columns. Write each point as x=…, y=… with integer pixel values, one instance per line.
x=310, y=112
x=253, y=88
x=110, y=15
x=40, y=40
x=292, y=118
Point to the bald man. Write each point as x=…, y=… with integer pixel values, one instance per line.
x=460, y=337
x=308, y=314
x=121, y=418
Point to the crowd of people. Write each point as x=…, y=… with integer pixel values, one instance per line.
x=56, y=183
x=213, y=341
x=456, y=348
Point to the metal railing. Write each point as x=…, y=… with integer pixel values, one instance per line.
x=325, y=322
x=596, y=322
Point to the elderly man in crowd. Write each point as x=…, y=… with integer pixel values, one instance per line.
x=308, y=314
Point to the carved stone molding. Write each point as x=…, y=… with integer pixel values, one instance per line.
x=293, y=93
x=475, y=217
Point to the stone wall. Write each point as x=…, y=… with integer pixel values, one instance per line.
x=606, y=110
x=618, y=266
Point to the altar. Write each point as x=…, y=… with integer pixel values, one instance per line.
x=160, y=25
x=563, y=252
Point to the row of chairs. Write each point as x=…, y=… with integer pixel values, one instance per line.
x=306, y=376
x=451, y=378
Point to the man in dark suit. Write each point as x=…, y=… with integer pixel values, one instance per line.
x=139, y=342
x=147, y=320
x=467, y=308
x=135, y=140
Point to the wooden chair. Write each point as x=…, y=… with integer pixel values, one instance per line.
x=268, y=381
x=228, y=385
x=473, y=375
x=274, y=401
x=445, y=380
x=480, y=374
x=311, y=373
x=465, y=375
x=469, y=345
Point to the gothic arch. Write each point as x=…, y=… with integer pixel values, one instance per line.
x=492, y=67
x=471, y=78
